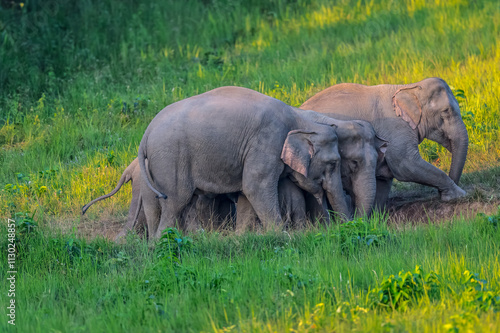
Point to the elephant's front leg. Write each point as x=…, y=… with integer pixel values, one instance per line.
x=383, y=189
x=260, y=186
x=408, y=166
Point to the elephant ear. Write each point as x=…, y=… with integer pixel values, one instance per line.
x=381, y=146
x=407, y=106
x=298, y=150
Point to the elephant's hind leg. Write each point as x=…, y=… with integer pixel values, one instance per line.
x=172, y=209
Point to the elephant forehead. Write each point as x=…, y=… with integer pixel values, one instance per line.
x=354, y=150
x=327, y=135
x=330, y=153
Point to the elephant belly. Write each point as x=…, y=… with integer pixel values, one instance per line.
x=218, y=181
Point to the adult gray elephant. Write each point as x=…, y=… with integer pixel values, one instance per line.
x=404, y=115
x=234, y=139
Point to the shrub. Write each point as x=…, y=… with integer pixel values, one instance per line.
x=397, y=291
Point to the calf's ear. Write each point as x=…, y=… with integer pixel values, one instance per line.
x=298, y=150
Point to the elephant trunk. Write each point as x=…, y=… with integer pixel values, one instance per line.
x=459, y=145
x=339, y=205
x=364, y=188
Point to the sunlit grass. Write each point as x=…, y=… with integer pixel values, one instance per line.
x=77, y=93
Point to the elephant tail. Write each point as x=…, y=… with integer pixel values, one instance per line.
x=125, y=178
x=145, y=173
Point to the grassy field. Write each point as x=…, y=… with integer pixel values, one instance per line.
x=79, y=83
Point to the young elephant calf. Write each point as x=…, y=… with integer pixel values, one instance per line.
x=234, y=139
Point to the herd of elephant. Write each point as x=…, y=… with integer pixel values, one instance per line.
x=235, y=154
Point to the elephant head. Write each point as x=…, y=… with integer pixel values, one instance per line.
x=361, y=150
x=314, y=161
x=430, y=107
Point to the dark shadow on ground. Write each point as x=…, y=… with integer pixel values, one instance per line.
x=414, y=203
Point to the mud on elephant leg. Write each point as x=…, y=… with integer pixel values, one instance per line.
x=136, y=220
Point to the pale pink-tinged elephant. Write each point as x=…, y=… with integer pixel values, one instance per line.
x=404, y=115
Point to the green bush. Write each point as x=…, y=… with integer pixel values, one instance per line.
x=398, y=291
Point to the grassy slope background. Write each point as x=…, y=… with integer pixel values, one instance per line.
x=80, y=82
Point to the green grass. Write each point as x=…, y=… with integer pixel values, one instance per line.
x=79, y=83
x=323, y=279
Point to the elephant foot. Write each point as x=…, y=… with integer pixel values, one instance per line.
x=455, y=193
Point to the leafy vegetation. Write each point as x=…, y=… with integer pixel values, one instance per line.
x=79, y=83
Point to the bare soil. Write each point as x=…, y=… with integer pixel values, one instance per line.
x=415, y=204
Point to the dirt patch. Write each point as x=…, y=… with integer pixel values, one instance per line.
x=425, y=211
x=107, y=228
x=417, y=204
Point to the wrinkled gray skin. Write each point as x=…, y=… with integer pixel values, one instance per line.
x=201, y=212
x=292, y=205
x=404, y=115
x=234, y=139
x=360, y=151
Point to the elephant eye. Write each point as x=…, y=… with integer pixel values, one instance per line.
x=353, y=165
x=446, y=114
x=332, y=165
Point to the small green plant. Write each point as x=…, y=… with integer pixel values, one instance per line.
x=111, y=156
x=25, y=224
x=491, y=220
x=172, y=244
x=397, y=291
x=48, y=173
x=477, y=295
x=358, y=233
x=120, y=259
